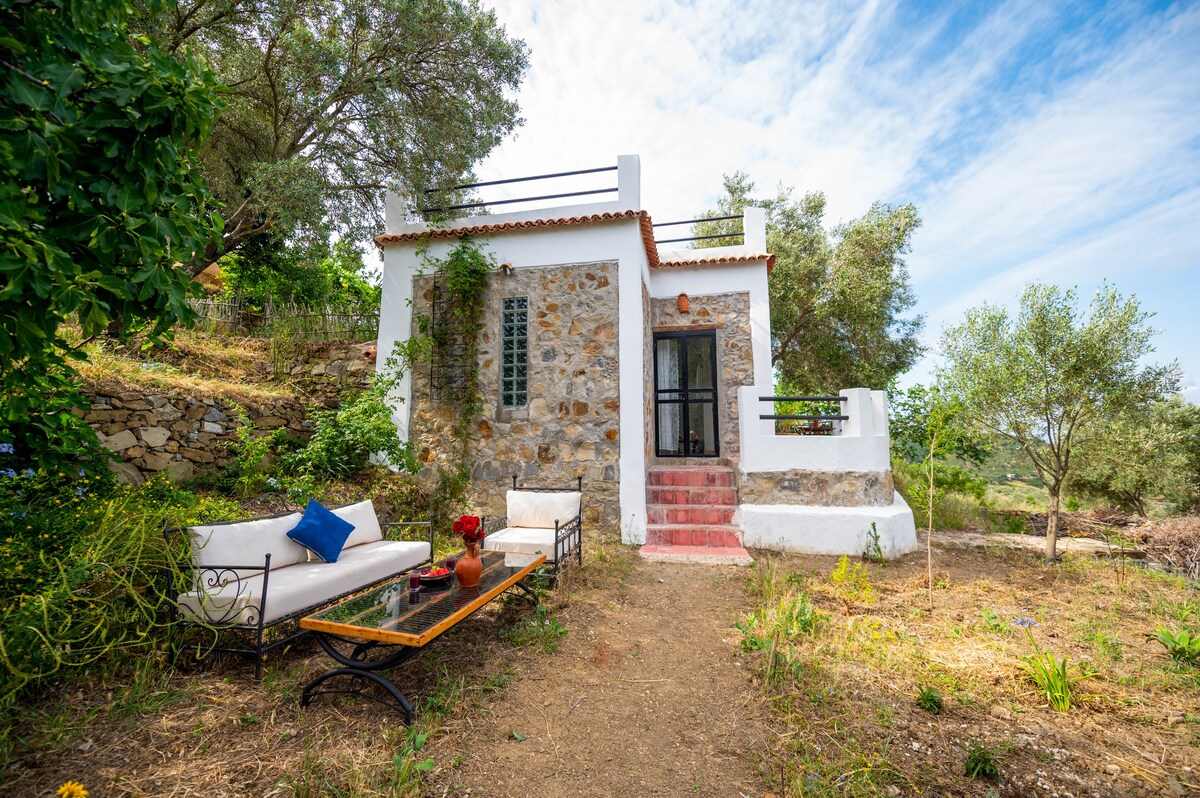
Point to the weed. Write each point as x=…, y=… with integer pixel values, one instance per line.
x=1182, y=645
x=1048, y=673
x=993, y=623
x=775, y=628
x=930, y=700
x=852, y=584
x=540, y=630
x=406, y=775
x=873, y=551
x=442, y=700
x=980, y=762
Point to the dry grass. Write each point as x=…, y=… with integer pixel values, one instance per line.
x=851, y=724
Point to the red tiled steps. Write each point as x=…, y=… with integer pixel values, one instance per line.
x=691, y=509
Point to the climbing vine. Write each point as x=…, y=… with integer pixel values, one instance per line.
x=460, y=280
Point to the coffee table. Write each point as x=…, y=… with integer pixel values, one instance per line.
x=383, y=620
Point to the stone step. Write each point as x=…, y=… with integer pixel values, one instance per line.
x=698, y=514
x=721, y=535
x=691, y=476
x=723, y=497
x=703, y=555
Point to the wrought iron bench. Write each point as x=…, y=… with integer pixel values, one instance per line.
x=248, y=578
x=539, y=520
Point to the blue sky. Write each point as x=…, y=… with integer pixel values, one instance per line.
x=1041, y=141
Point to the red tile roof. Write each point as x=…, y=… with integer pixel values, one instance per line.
x=647, y=230
x=717, y=261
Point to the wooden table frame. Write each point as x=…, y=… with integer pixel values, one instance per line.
x=360, y=674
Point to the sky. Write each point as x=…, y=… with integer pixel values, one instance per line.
x=1047, y=141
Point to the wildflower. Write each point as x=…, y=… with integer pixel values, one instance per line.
x=82, y=473
x=1025, y=622
x=80, y=491
x=8, y=472
x=6, y=448
x=71, y=789
x=272, y=482
x=28, y=472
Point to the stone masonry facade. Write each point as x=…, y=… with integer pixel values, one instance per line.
x=820, y=488
x=570, y=425
x=729, y=314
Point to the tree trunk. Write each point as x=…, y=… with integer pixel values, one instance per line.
x=929, y=531
x=1052, y=526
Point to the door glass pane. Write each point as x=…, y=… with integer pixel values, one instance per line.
x=700, y=362
x=670, y=429
x=669, y=355
x=702, y=433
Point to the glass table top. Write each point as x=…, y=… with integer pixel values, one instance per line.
x=388, y=615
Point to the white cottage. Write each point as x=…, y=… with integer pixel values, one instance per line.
x=646, y=371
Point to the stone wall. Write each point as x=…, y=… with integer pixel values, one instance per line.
x=820, y=488
x=326, y=371
x=570, y=426
x=729, y=314
x=181, y=435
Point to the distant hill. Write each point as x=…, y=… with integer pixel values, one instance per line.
x=1007, y=463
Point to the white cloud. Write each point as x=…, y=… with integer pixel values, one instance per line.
x=1069, y=156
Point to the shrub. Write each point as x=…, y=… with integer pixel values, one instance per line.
x=88, y=563
x=344, y=440
x=852, y=583
x=776, y=627
x=1183, y=645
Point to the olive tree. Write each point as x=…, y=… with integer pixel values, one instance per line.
x=1052, y=378
x=329, y=104
x=840, y=297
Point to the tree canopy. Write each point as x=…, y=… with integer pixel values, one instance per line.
x=99, y=196
x=838, y=297
x=1052, y=378
x=328, y=104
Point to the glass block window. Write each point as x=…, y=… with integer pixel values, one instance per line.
x=514, y=355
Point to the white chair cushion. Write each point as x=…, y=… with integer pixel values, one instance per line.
x=522, y=540
x=366, y=523
x=527, y=508
x=247, y=543
x=304, y=584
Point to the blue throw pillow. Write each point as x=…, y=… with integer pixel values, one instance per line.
x=321, y=532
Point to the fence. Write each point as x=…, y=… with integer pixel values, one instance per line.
x=239, y=317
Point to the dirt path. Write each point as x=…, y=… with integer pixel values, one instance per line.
x=646, y=696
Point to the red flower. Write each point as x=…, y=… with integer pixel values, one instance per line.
x=468, y=527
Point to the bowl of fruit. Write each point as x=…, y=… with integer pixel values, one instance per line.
x=436, y=575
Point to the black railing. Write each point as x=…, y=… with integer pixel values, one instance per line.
x=550, y=176
x=816, y=423
x=698, y=221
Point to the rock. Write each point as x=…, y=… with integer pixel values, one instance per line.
x=167, y=413
x=156, y=461
x=1001, y=712
x=155, y=437
x=209, y=426
x=270, y=422
x=1112, y=770
x=127, y=473
x=214, y=414
x=180, y=470
x=134, y=452
x=119, y=442
x=199, y=455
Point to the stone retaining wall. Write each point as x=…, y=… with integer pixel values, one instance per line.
x=181, y=435
x=819, y=488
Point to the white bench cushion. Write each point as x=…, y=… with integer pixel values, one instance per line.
x=527, y=508
x=522, y=540
x=366, y=523
x=247, y=543
x=304, y=584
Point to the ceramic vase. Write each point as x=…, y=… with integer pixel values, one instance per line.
x=469, y=567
